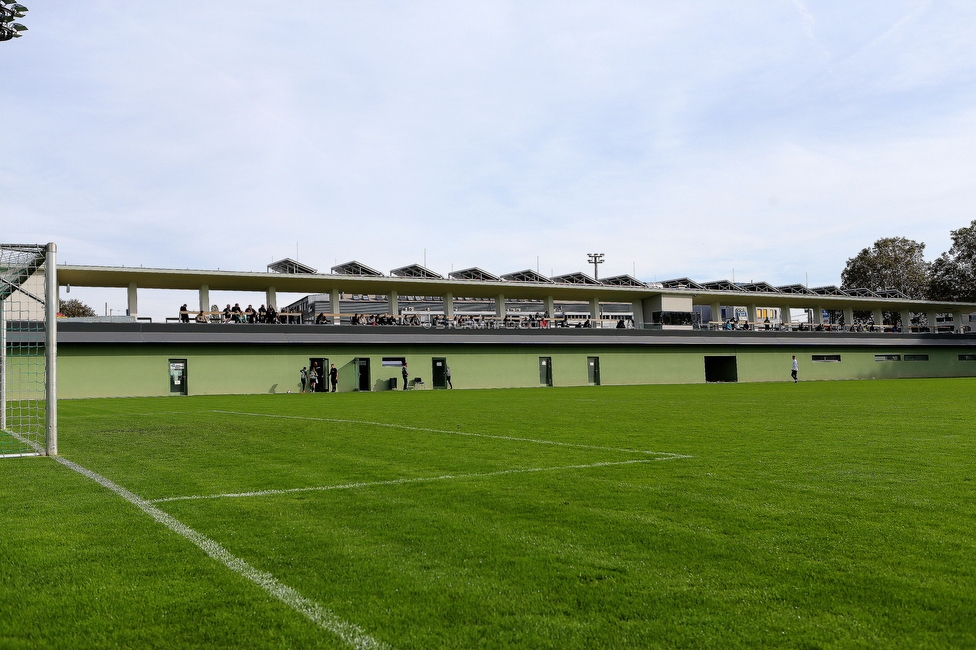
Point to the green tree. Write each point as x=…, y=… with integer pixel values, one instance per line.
x=75, y=308
x=954, y=272
x=891, y=263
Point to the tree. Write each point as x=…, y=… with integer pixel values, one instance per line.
x=954, y=272
x=75, y=309
x=891, y=263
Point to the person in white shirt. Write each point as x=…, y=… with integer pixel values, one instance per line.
x=796, y=368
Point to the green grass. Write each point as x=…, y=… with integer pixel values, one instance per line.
x=829, y=514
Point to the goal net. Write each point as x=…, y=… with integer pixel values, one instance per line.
x=28, y=348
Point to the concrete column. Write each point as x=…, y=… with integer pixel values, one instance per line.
x=549, y=305
x=449, y=305
x=500, y=306
x=393, y=303
x=817, y=315
x=133, y=299
x=271, y=297
x=878, y=317
x=638, y=308
x=204, y=298
x=334, y=306
x=930, y=317
x=957, y=321
x=906, y=321
x=784, y=316
x=594, y=308
x=716, y=311
x=848, y=317
x=751, y=309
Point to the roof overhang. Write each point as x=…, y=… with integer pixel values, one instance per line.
x=142, y=278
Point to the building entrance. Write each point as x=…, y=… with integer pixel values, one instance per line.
x=362, y=375
x=438, y=374
x=545, y=371
x=177, y=377
x=321, y=368
x=721, y=369
x=593, y=371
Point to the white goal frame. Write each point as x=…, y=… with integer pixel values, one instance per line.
x=51, y=305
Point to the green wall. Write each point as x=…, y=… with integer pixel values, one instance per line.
x=95, y=370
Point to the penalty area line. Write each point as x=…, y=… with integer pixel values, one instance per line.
x=350, y=633
x=402, y=481
x=407, y=427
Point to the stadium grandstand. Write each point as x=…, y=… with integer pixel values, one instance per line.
x=511, y=329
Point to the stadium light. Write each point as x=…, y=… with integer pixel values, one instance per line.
x=595, y=259
x=8, y=12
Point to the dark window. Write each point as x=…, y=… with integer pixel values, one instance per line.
x=887, y=357
x=825, y=357
x=967, y=357
x=916, y=357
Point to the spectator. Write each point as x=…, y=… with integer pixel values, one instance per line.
x=184, y=314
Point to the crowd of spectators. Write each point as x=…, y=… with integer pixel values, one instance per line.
x=540, y=320
x=232, y=314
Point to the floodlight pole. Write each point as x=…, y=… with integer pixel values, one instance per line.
x=51, y=307
x=595, y=259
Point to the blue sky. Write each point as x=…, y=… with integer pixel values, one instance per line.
x=680, y=139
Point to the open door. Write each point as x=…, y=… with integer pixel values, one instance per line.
x=438, y=374
x=545, y=371
x=321, y=368
x=362, y=375
x=177, y=377
x=721, y=369
x=593, y=371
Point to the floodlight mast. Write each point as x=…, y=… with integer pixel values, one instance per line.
x=595, y=259
x=9, y=10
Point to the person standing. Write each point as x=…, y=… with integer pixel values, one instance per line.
x=405, y=375
x=334, y=377
x=795, y=370
x=447, y=375
x=314, y=377
x=304, y=374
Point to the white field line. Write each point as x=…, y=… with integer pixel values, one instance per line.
x=456, y=433
x=402, y=481
x=350, y=633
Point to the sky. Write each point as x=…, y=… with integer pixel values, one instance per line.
x=772, y=140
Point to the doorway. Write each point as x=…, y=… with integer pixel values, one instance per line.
x=362, y=375
x=593, y=371
x=545, y=371
x=721, y=369
x=438, y=372
x=177, y=377
x=321, y=368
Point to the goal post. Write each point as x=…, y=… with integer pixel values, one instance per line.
x=28, y=350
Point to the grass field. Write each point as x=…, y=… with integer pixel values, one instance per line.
x=830, y=514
